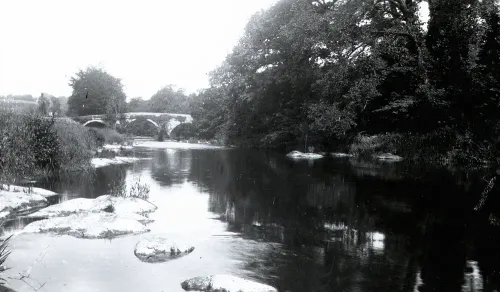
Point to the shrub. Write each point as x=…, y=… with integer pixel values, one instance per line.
x=98, y=137
x=76, y=145
x=110, y=136
x=32, y=145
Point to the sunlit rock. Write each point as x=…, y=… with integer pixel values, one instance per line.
x=389, y=157
x=224, y=283
x=132, y=208
x=124, y=206
x=160, y=249
x=299, y=155
x=17, y=201
x=88, y=225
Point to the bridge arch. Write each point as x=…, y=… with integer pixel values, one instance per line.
x=99, y=122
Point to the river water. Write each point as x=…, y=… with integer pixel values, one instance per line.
x=328, y=225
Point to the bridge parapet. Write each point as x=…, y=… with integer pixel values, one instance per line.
x=168, y=120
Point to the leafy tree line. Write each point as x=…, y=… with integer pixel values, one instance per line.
x=97, y=92
x=330, y=70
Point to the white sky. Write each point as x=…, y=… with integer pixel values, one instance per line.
x=148, y=44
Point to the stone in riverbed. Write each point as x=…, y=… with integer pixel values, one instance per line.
x=153, y=249
x=89, y=225
x=224, y=283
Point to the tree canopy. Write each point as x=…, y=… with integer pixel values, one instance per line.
x=96, y=92
x=331, y=69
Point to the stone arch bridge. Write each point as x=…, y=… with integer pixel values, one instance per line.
x=167, y=120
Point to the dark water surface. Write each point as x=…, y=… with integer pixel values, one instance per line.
x=328, y=225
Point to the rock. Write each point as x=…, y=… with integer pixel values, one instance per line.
x=389, y=157
x=337, y=154
x=224, y=283
x=154, y=249
x=300, y=155
x=132, y=208
x=15, y=203
x=101, y=162
x=64, y=209
x=88, y=225
x=124, y=206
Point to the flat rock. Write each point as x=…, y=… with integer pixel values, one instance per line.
x=300, y=155
x=132, y=208
x=225, y=283
x=14, y=203
x=88, y=225
x=389, y=157
x=155, y=249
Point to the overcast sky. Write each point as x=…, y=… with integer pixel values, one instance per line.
x=148, y=44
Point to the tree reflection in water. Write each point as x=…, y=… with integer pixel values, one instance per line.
x=339, y=228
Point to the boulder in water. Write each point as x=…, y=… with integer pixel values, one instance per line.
x=88, y=225
x=133, y=208
x=155, y=249
x=226, y=283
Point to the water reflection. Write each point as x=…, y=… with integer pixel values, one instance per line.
x=334, y=225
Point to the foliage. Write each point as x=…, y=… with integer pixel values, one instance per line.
x=162, y=134
x=183, y=131
x=166, y=100
x=96, y=92
x=110, y=136
x=4, y=254
x=169, y=100
x=320, y=72
x=136, y=190
x=32, y=145
x=76, y=145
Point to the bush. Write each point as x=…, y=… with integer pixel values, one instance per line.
x=32, y=146
x=367, y=146
x=77, y=145
x=110, y=136
x=98, y=137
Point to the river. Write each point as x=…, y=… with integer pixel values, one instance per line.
x=303, y=226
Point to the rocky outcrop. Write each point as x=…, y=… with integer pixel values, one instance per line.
x=155, y=249
x=132, y=208
x=88, y=225
x=225, y=283
x=300, y=155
